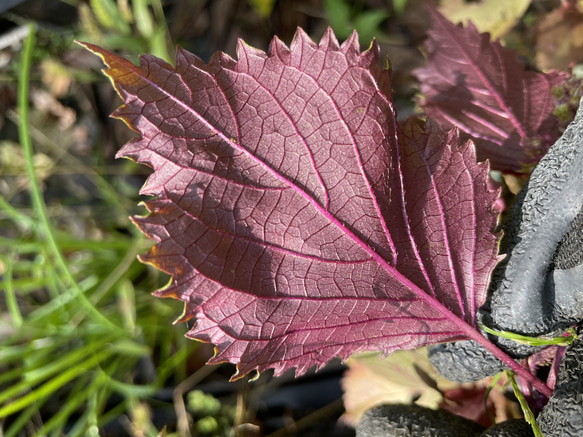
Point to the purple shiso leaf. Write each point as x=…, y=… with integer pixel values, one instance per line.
x=482, y=88
x=297, y=221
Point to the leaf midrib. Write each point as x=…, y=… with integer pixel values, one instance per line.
x=464, y=327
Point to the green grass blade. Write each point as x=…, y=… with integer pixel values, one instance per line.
x=23, y=418
x=533, y=341
x=78, y=396
x=52, y=385
x=487, y=395
x=10, y=352
x=108, y=193
x=130, y=390
x=118, y=271
x=109, y=15
x=143, y=18
x=20, y=219
x=10, y=294
x=34, y=377
x=46, y=230
x=69, y=360
x=528, y=414
x=10, y=375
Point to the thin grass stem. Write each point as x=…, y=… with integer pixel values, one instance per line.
x=45, y=227
x=79, y=394
x=10, y=294
x=21, y=220
x=54, y=384
x=24, y=417
x=118, y=272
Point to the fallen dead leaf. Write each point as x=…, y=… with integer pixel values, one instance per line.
x=487, y=15
x=403, y=377
x=560, y=38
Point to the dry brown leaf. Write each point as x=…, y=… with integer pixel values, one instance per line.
x=407, y=377
x=560, y=38
x=401, y=378
x=56, y=76
x=487, y=15
x=467, y=400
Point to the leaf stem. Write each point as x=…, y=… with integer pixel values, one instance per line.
x=475, y=335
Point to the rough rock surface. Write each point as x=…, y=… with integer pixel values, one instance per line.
x=530, y=290
x=464, y=361
x=563, y=415
x=510, y=428
x=414, y=421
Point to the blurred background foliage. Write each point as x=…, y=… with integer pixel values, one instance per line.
x=84, y=348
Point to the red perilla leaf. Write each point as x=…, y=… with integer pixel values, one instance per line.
x=297, y=221
x=483, y=89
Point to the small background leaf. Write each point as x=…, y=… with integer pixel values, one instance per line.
x=490, y=16
x=262, y=7
x=559, y=37
x=345, y=17
x=407, y=377
x=371, y=382
x=480, y=87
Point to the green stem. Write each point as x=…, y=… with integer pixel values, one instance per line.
x=11, y=301
x=16, y=216
x=528, y=415
x=51, y=386
x=474, y=334
x=45, y=228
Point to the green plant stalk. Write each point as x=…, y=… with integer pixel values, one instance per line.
x=118, y=272
x=143, y=19
x=129, y=348
x=71, y=161
x=23, y=418
x=528, y=414
x=16, y=216
x=11, y=302
x=59, y=303
x=92, y=407
x=161, y=36
x=167, y=367
x=68, y=361
x=82, y=426
x=109, y=16
x=130, y=390
x=144, y=424
x=127, y=305
x=54, y=384
x=14, y=352
x=533, y=341
x=59, y=420
x=13, y=374
x=36, y=196
x=22, y=246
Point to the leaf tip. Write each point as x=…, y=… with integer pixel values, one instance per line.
x=301, y=38
x=329, y=40
x=106, y=56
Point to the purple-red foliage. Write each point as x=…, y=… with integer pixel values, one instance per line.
x=297, y=220
x=482, y=88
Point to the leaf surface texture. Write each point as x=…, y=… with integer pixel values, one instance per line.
x=483, y=89
x=297, y=220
